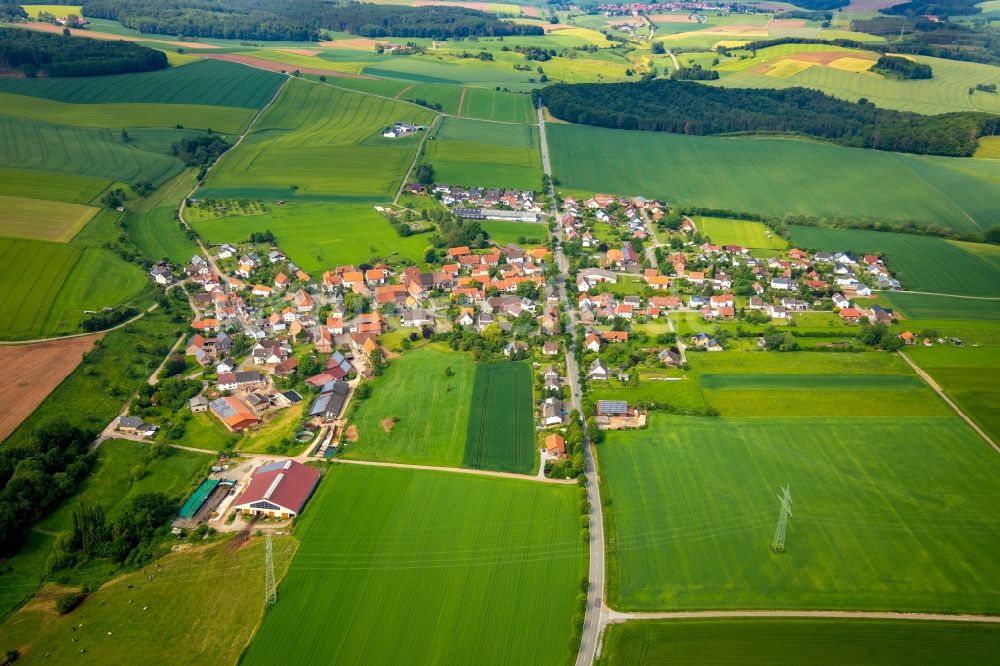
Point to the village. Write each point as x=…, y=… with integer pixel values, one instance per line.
x=269, y=339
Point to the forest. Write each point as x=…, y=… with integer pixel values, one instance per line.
x=302, y=20
x=902, y=68
x=684, y=107
x=33, y=54
x=11, y=11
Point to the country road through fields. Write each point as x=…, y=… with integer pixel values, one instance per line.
x=593, y=619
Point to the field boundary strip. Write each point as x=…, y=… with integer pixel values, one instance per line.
x=456, y=470
x=937, y=389
x=372, y=94
x=617, y=617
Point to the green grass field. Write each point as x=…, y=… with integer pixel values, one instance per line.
x=99, y=279
x=497, y=105
x=428, y=568
x=970, y=376
x=776, y=176
x=724, y=231
x=889, y=514
x=486, y=154
x=208, y=82
x=147, y=620
x=504, y=233
x=805, y=384
x=922, y=263
x=116, y=116
x=50, y=186
x=35, y=271
x=158, y=235
x=319, y=140
x=685, y=394
x=430, y=69
x=109, y=485
x=501, y=433
x=94, y=153
x=798, y=642
x=319, y=236
x=922, y=306
x=42, y=220
x=947, y=91
x=432, y=409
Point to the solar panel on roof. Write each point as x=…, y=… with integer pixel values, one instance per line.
x=612, y=406
x=272, y=466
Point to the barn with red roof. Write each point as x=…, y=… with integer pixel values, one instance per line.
x=278, y=489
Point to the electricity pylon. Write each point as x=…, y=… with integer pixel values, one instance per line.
x=778, y=543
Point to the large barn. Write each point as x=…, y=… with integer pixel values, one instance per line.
x=278, y=489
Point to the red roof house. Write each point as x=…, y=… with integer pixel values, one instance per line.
x=278, y=489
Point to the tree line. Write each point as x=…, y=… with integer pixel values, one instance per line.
x=684, y=107
x=902, y=68
x=302, y=20
x=42, y=54
x=37, y=476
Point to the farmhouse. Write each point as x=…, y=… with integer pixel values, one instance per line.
x=330, y=402
x=555, y=446
x=278, y=489
x=133, y=425
x=233, y=413
x=401, y=129
x=231, y=381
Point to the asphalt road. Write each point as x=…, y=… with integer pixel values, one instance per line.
x=593, y=620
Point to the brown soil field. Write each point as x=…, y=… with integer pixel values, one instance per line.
x=352, y=433
x=671, y=18
x=46, y=27
x=32, y=372
x=822, y=57
x=529, y=11
x=787, y=23
x=272, y=66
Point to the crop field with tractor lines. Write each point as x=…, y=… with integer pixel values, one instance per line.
x=798, y=642
x=501, y=429
x=429, y=567
x=775, y=176
x=94, y=153
x=206, y=82
x=473, y=152
x=42, y=220
x=313, y=125
x=692, y=505
x=915, y=260
x=50, y=185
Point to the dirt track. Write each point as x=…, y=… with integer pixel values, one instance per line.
x=273, y=66
x=33, y=371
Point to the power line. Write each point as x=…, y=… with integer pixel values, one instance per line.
x=778, y=542
x=270, y=590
